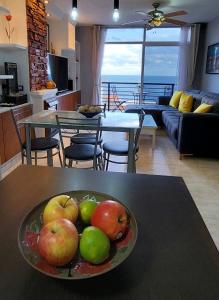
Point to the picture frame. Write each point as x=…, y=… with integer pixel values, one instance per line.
x=212, y=64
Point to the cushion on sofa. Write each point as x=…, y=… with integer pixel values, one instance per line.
x=174, y=101
x=203, y=108
x=214, y=102
x=171, y=122
x=150, y=109
x=185, y=103
x=209, y=95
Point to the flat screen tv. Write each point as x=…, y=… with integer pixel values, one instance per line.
x=58, y=71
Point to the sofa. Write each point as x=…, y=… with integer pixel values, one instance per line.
x=192, y=133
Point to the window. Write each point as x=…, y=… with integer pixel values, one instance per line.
x=124, y=35
x=163, y=35
x=160, y=64
x=147, y=67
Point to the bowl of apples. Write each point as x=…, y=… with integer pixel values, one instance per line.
x=89, y=111
x=77, y=235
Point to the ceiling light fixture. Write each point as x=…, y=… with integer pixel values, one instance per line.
x=46, y=2
x=74, y=13
x=116, y=11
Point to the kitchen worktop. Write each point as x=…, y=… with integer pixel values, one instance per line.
x=4, y=109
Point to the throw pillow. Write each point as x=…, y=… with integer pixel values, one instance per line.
x=204, y=108
x=174, y=101
x=185, y=103
x=214, y=102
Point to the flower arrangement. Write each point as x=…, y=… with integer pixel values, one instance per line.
x=8, y=29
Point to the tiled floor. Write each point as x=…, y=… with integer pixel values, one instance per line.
x=200, y=175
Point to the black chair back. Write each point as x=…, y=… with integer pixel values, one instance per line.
x=138, y=131
x=80, y=124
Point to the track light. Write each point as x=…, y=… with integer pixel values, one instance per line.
x=74, y=13
x=116, y=11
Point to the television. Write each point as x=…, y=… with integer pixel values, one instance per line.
x=58, y=71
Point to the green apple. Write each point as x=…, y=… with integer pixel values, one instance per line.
x=86, y=209
x=94, y=245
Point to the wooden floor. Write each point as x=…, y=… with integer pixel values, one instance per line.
x=200, y=175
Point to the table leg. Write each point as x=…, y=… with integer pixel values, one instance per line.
x=28, y=144
x=153, y=139
x=131, y=158
x=49, y=158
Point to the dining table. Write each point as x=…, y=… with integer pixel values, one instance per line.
x=174, y=257
x=110, y=121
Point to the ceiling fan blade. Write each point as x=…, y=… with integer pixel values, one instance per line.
x=176, y=13
x=141, y=12
x=176, y=22
x=133, y=22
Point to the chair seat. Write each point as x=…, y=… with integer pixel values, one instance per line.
x=42, y=144
x=81, y=152
x=85, y=138
x=120, y=148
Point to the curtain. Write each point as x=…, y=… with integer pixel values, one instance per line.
x=189, y=43
x=99, y=36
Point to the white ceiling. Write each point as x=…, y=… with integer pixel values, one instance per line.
x=100, y=11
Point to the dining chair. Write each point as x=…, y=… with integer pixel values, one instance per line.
x=121, y=148
x=118, y=104
x=88, y=137
x=38, y=145
x=81, y=152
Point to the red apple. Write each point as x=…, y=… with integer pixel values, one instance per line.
x=58, y=242
x=111, y=217
x=62, y=206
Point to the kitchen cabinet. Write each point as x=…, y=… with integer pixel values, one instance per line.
x=10, y=145
x=2, y=150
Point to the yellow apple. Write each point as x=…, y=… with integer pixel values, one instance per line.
x=62, y=206
x=58, y=242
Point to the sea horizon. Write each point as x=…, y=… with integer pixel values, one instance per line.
x=137, y=79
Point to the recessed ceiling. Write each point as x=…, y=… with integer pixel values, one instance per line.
x=100, y=11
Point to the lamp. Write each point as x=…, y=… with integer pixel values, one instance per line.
x=74, y=13
x=116, y=10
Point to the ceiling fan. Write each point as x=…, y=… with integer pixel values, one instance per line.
x=156, y=17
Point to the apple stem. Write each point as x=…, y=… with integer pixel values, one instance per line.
x=66, y=202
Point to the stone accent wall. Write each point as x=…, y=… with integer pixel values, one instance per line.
x=37, y=43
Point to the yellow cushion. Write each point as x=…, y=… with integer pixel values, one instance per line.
x=174, y=101
x=185, y=103
x=203, y=108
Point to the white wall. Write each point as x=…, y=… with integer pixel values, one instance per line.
x=21, y=58
x=210, y=82
x=62, y=34
x=84, y=36
x=19, y=22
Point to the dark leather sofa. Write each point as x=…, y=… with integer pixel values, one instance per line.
x=192, y=133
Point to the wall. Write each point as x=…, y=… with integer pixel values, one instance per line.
x=61, y=34
x=210, y=82
x=18, y=12
x=84, y=37
x=20, y=57
x=37, y=43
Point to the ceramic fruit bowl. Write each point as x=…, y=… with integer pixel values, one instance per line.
x=78, y=268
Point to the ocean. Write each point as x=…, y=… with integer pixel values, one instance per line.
x=137, y=79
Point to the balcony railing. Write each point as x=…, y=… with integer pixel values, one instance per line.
x=131, y=92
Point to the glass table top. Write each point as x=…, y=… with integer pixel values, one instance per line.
x=109, y=120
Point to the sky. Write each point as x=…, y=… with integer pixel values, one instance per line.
x=125, y=59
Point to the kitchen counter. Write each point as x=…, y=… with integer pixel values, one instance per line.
x=4, y=109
